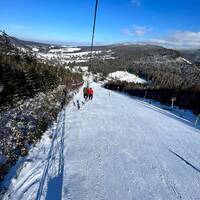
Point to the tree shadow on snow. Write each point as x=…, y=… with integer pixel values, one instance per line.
x=55, y=188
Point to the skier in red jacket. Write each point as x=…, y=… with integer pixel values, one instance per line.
x=90, y=93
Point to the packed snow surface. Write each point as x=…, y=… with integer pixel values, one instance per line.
x=113, y=148
x=125, y=76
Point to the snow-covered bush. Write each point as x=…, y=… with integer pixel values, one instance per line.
x=25, y=124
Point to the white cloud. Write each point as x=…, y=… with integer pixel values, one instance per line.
x=180, y=39
x=175, y=39
x=136, y=2
x=136, y=30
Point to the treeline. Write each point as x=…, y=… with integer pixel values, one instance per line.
x=22, y=76
x=186, y=98
x=167, y=75
x=164, y=81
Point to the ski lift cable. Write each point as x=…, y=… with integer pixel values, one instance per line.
x=93, y=31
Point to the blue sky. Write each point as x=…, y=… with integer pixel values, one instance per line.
x=169, y=23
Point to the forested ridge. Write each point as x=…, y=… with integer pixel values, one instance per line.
x=167, y=74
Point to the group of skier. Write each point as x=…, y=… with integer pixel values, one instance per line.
x=88, y=93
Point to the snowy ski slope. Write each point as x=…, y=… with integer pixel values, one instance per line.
x=125, y=76
x=113, y=148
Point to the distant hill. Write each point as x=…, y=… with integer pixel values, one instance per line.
x=191, y=54
x=136, y=52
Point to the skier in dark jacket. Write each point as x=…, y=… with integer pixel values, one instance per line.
x=85, y=94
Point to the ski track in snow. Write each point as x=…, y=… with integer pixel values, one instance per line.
x=113, y=148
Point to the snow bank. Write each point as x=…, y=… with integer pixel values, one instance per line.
x=23, y=125
x=63, y=50
x=125, y=76
x=35, y=49
x=181, y=59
